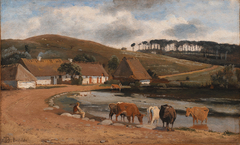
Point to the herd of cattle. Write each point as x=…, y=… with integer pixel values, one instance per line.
x=166, y=113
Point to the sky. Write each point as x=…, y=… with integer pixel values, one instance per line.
x=119, y=23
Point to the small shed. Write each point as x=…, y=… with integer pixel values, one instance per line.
x=130, y=69
x=18, y=77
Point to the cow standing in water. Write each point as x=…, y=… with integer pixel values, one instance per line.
x=113, y=110
x=131, y=111
x=198, y=113
x=167, y=114
x=153, y=114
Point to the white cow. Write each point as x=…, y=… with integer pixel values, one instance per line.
x=153, y=114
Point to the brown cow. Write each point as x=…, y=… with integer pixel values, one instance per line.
x=113, y=110
x=167, y=114
x=131, y=111
x=198, y=113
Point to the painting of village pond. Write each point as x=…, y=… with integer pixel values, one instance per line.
x=120, y=72
x=223, y=114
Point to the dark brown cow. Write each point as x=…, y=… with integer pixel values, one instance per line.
x=167, y=114
x=131, y=111
x=113, y=110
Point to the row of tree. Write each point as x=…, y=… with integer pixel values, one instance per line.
x=208, y=46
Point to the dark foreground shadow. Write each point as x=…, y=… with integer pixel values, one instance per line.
x=160, y=128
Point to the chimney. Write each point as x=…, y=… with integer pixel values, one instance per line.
x=70, y=60
x=39, y=58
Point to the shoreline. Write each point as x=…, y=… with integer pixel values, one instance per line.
x=24, y=120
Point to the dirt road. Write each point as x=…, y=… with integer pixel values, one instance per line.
x=197, y=71
x=23, y=120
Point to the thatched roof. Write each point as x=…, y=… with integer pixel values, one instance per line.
x=91, y=69
x=131, y=68
x=44, y=67
x=16, y=72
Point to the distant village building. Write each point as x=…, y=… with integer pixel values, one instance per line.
x=18, y=77
x=45, y=70
x=93, y=73
x=130, y=69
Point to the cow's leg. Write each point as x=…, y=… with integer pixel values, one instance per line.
x=129, y=118
x=110, y=115
x=163, y=124
x=118, y=115
x=133, y=118
x=152, y=121
x=197, y=120
x=167, y=126
x=193, y=120
x=206, y=120
x=172, y=127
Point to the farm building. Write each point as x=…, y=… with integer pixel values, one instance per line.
x=93, y=73
x=45, y=70
x=131, y=70
x=18, y=77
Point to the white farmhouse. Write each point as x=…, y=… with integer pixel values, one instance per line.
x=93, y=73
x=18, y=77
x=45, y=70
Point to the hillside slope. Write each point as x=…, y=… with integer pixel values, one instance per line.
x=56, y=46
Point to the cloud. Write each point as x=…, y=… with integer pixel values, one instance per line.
x=191, y=29
x=223, y=36
x=132, y=5
x=118, y=30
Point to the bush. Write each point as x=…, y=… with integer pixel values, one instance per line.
x=190, y=84
x=173, y=84
x=153, y=84
x=162, y=85
x=225, y=78
x=112, y=82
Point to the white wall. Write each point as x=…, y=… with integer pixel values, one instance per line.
x=66, y=77
x=46, y=80
x=145, y=81
x=24, y=84
x=94, y=79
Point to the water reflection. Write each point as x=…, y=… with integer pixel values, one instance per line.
x=200, y=126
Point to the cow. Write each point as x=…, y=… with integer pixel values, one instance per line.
x=131, y=111
x=167, y=114
x=115, y=86
x=198, y=113
x=153, y=114
x=113, y=110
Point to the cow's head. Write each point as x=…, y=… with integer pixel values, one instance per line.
x=140, y=117
x=188, y=111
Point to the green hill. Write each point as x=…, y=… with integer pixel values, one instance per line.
x=56, y=46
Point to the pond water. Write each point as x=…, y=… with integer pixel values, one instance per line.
x=223, y=116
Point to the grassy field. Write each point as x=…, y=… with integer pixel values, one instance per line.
x=56, y=46
x=202, y=77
